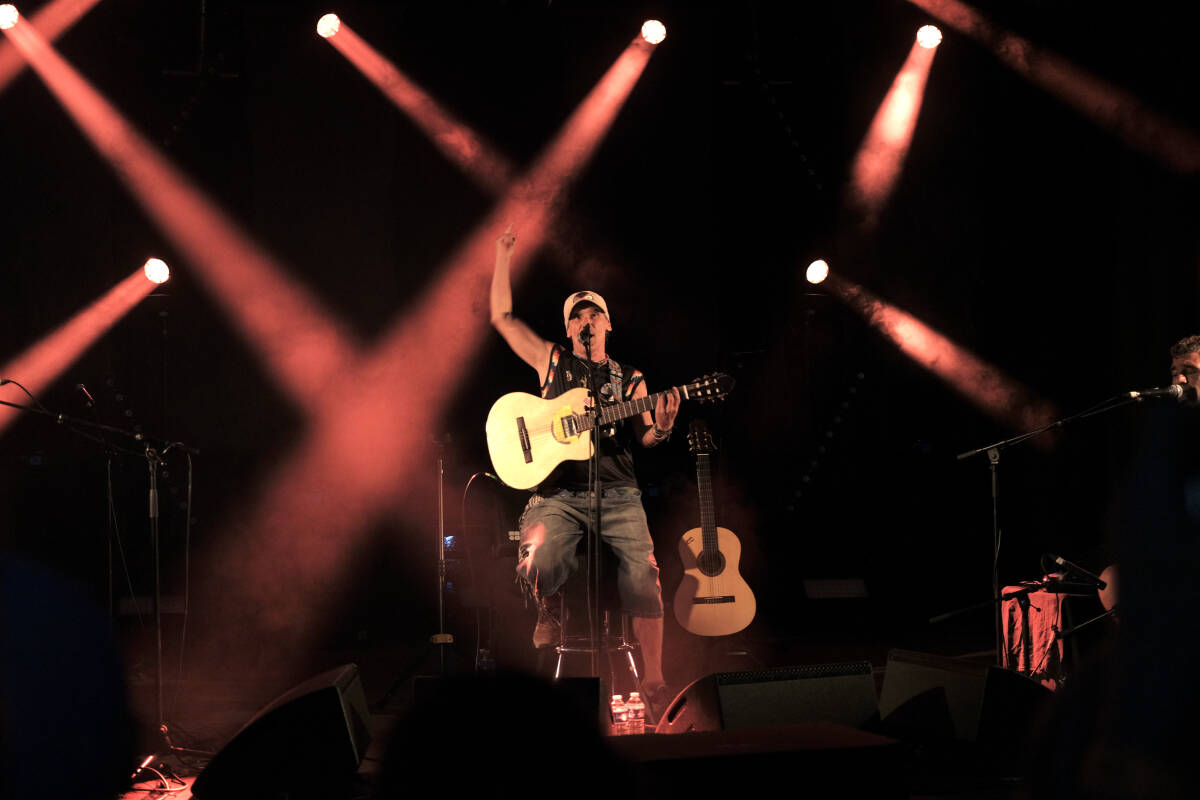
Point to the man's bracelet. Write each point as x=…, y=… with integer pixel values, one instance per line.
x=660, y=435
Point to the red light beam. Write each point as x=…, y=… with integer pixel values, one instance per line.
x=1105, y=104
x=301, y=346
x=378, y=434
x=986, y=386
x=488, y=168
x=39, y=366
x=52, y=19
x=456, y=141
x=530, y=206
x=881, y=155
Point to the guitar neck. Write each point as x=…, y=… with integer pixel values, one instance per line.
x=708, y=517
x=615, y=412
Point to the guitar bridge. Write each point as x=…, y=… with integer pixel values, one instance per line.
x=706, y=601
x=523, y=434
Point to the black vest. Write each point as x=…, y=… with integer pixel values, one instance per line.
x=617, y=382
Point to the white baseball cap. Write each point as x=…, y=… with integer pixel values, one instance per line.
x=584, y=297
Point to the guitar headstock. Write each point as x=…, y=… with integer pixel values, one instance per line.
x=710, y=388
x=700, y=438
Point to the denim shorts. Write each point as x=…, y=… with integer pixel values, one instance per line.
x=552, y=526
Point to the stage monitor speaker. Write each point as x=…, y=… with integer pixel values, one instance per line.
x=842, y=693
x=305, y=743
x=934, y=697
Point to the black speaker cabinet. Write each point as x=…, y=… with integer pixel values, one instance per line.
x=930, y=696
x=842, y=693
x=303, y=744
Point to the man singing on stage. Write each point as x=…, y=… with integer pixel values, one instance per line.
x=1185, y=364
x=556, y=516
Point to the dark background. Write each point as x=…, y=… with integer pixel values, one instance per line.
x=1019, y=228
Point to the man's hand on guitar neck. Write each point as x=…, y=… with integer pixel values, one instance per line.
x=665, y=410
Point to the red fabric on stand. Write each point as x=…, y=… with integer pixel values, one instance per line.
x=1031, y=644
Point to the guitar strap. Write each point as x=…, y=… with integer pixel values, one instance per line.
x=614, y=377
x=555, y=354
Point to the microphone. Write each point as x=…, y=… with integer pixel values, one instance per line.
x=87, y=396
x=585, y=334
x=1175, y=391
x=1062, y=562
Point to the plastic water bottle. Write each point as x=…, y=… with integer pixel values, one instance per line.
x=637, y=713
x=620, y=716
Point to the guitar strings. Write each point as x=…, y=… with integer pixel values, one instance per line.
x=715, y=584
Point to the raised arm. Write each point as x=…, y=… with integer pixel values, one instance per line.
x=529, y=347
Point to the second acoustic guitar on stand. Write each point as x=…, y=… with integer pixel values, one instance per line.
x=713, y=599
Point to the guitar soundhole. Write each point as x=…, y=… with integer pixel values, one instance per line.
x=711, y=564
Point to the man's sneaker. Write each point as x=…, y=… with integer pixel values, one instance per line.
x=549, y=627
x=657, y=702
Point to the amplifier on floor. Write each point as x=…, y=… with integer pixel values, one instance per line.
x=935, y=697
x=842, y=693
x=306, y=743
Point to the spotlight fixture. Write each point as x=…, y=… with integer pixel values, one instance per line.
x=817, y=271
x=157, y=270
x=8, y=16
x=328, y=25
x=929, y=36
x=653, y=31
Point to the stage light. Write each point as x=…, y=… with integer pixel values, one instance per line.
x=43, y=362
x=653, y=31
x=297, y=339
x=880, y=158
x=1104, y=103
x=929, y=36
x=157, y=270
x=328, y=25
x=817, y=271
x=8, y=16
x=51, y=20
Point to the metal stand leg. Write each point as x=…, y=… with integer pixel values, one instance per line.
x=608, y=642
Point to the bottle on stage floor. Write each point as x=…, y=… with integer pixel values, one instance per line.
x=620, y=716
x=636, y=713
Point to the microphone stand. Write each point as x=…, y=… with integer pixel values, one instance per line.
x=993, y=452
x=1069, y=632
x=154, y=459
x=441, y=638
x=593, y=546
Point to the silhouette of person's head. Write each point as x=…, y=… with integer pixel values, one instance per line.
x=505, y=733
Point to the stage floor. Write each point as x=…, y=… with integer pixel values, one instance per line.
x=205, y=714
